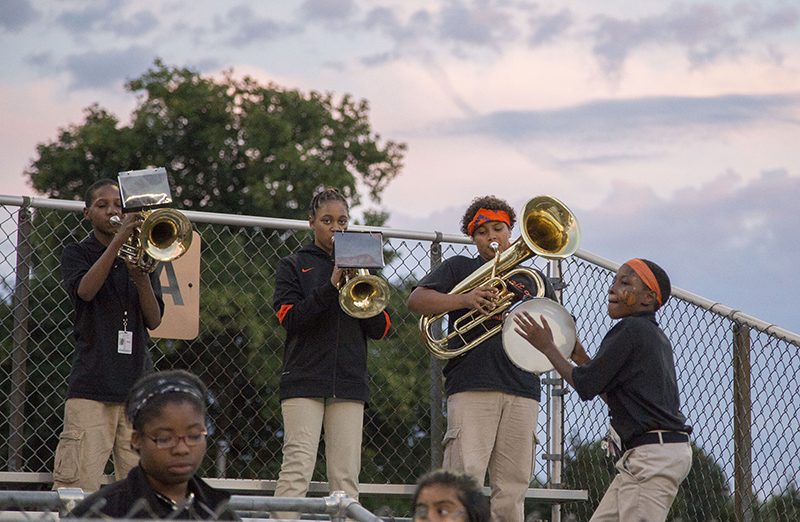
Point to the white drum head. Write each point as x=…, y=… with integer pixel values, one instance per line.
x=521, y=352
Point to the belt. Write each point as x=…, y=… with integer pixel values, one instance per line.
x=657, y=437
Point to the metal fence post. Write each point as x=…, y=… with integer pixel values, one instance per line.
x=742, y=422
x=222, y=458
x=437, y=391
x=556, y=401
x=19, y=356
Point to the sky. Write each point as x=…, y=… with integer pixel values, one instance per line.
x=671, y=129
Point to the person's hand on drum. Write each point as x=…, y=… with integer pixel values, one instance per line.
x=541, y=337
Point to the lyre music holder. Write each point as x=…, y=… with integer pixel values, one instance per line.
x=144, y=189
x=358, y=249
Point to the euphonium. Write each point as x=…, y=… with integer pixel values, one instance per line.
x=165, y=235
x=550, y=230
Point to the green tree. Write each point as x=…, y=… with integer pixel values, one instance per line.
x=586, y=467
x=232, y=146
x=47, y=344
x=782, y=508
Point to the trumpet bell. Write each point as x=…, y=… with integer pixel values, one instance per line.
x=364, y=295
x=166, y=234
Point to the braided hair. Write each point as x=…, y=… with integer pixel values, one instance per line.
x=327, y=195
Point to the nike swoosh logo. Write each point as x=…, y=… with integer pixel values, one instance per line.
x=307, y=269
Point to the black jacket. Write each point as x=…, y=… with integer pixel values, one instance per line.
x=325, y=354
x=133, y=497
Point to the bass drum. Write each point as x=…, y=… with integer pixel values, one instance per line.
x=520, y=351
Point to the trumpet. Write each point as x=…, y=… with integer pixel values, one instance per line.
x=165, y=235
x=550, y=230
x=363, y=294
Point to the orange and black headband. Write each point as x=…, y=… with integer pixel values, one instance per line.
x=483, y=216
x=647, y=276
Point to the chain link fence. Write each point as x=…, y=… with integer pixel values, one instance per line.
x=738, y=376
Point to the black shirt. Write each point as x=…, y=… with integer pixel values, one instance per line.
x=98, y=371
x=634, y=367
x=133, y=497
x=485, y=367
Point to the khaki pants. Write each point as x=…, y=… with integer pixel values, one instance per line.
x=494, y=431
x=92, y=431
x=646, y=483
x=303, y=422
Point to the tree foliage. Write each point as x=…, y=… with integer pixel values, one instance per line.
x=587, y=467
x=229, y=145
x=784, y=507
x=705, y=494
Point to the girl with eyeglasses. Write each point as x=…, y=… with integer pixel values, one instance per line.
x=449, y=496
x=168, y=413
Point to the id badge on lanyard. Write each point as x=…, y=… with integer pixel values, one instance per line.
x=125, y=338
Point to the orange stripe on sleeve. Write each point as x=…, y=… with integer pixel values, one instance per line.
x=282, y=312
x=388, y=324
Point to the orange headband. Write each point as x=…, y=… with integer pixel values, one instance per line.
x=483, y=216
x=641, y=268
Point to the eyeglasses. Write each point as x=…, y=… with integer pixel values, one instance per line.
x=170, y=441
x=441, y=513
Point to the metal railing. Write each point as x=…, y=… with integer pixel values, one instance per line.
x=337, y=506
x=738, y=375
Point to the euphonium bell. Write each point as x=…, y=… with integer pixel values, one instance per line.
x=550, y=230
x=165, y=235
